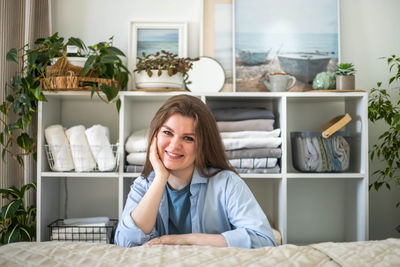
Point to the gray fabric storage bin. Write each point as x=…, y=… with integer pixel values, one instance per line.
x=325, y=150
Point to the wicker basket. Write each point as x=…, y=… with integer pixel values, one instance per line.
x=65, y=76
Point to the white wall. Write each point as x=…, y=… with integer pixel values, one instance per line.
x=369, y=30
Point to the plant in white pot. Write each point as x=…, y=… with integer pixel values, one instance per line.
x=345, y=79
x=162, y=70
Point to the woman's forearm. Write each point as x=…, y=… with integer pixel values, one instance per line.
x=215, y=240
x=145, y=213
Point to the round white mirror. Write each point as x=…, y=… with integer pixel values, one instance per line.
x=207, y=75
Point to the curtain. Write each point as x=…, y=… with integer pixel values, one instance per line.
x=21, y=22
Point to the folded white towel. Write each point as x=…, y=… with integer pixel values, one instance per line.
x=251, y=134
x=59, y=148
x=99, y=142
x=137, y=141
x=89, y=221
x=81, y=154
x=271, y=142
x=138, y=158
x=251, y=163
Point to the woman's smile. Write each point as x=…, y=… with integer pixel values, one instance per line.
x=176, y=144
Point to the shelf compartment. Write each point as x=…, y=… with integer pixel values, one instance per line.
x=67, y=109
x=322, y=108
x=270, y=194
x=81, y=174
x=344, y=175
x=76, y=197
x=321, y=210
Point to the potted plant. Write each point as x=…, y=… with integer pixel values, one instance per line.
x=162, y=70
x=25, y=94
x=345, y=79
x=27, y=86
x=17, y=222
x=104, y=62
x=382, y=106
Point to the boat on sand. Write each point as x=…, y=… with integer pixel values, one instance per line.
x=304, y=66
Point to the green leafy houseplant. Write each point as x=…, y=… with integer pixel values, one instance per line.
x=345, y=69
x=382, y=106
x=17, y=223
x=104, y=62
x=26, y=93
x=165, y=61
x=345, y=79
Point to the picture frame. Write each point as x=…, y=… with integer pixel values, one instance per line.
x=151, y=36
x=298, y=38
x=216, y=38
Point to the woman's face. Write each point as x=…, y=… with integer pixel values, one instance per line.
x=176, y=143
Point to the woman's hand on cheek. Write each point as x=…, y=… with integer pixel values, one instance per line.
x=158, y=165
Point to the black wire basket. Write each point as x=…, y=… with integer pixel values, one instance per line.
x=59, y=231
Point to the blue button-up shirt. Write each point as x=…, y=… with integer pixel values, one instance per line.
x=222, y=204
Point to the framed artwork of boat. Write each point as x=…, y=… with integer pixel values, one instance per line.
x=149, y=37
x=217, y=36
x=300, y=38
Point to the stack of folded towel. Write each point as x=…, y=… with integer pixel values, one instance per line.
x=252, y=144
x=136, y=148
x=80, y=149
x=92, y=229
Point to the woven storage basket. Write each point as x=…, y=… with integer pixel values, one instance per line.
x=65, y=76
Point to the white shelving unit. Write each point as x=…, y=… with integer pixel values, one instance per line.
x=304, y=207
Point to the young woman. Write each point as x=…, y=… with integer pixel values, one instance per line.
x=187, y=193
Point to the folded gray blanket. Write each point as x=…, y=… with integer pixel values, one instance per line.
x=134, y=168
x=254, y=153
x=239, y=114
x=246, y=125
x=275, y=169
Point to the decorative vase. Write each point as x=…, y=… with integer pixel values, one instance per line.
x=143, y=81
x=345, y=82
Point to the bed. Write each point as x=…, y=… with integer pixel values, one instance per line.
x=366, y=253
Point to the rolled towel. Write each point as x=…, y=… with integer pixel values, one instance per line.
x=246, y=125
x=81, y=154
x=59, y=148
x=99, y=142
x=239, y=114
x=137, y=141
x=254, y=153
x=251, y=163
x=251, y=134
x=137, y=158
x=272, y=142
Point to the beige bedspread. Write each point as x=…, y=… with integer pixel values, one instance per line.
x=368, y=253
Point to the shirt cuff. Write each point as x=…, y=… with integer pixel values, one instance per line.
x=237, y=238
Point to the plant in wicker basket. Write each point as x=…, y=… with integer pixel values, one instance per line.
x=25, y=92
x=105, y=62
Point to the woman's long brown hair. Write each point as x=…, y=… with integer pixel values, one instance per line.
x=209, y=148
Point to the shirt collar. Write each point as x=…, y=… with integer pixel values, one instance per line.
x=197, y=178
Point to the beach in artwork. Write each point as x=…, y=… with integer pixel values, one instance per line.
x=151, y=41
x=282, y=36
x=248, y=76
